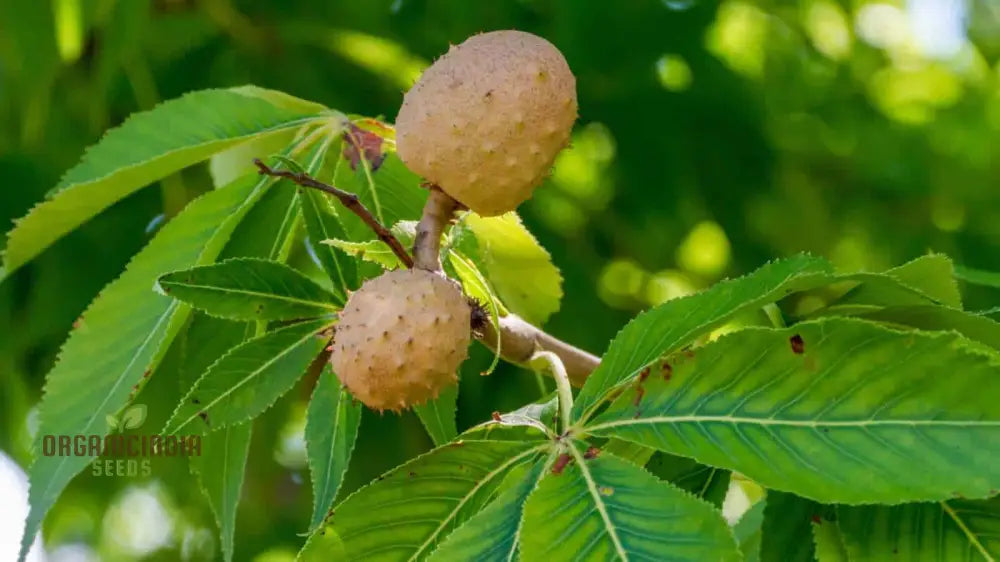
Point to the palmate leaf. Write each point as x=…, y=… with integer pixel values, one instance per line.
x=264, y=232
x=249, y=378
x=935, y=532
x=120, y=333
x=332, y=422
x=518, y=268
x=407, y=512
x=249, y=289
x=836, y=410
x=220, y=469
x=492, y=535
x=677, y=322
x=148, y=146
x=606, y=508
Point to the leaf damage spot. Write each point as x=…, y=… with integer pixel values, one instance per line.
x=591, y=453
x=668, y=371
x=496, y=417
x=561, y=462
x=639, y=393
x=607, y=491
x=798, y=344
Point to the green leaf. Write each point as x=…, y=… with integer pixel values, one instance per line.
x=829, y=544
x=786, y=534
x=931, y=276
x=392, y=193
x=118, y=338
x=249, y=289
x=837, y=410
x=263, y=233
x=220, y=468
x=133, y=416
x=322, y=224
x=519, y=269
x=249, y=378
x=493, y=533
x=632, y=452
x=929, y=317
x=706, y=482
x=438, y=415
x=677, y=322
x=939, y=532
x=331, y=428
x=748, y=531
x=374, y=251
x=237, y=161
x=407, y=512
x=606, y=508
x=978, y=276
x=148, y=146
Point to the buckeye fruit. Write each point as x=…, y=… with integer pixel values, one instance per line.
x=486, y=120
x=401, y=338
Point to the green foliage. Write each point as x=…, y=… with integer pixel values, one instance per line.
x=815, y=409
x=145, y=148
x=408, y=511
x=221, y=468
x=493, y=533
x=877, y=374
x=249, y=378
x=249, y=289
x=952, y=530
x=787, y=528
x=606, y=508
x=519, y=269
x=331, y=429
x=117, y=339
x=676, y=323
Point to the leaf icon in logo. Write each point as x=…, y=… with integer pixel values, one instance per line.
x=112, y=421
x=134, y=416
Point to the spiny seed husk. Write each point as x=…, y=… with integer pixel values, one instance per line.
x=401, y=338
x=487, y=119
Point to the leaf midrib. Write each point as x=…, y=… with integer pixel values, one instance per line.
x=969, y=534
x=252, y=293
x=489, y=477
x=791, y=423
x=598, y=502
x=251, y=375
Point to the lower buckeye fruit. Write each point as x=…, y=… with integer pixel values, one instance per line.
x=401, y=338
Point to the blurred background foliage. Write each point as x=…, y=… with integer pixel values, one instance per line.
x=712, y=137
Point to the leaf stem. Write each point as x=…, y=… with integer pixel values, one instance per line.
x=349, y=200
x=554, y=364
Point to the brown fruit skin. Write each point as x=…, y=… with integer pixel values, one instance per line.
x=487, y=119
x=401, y=338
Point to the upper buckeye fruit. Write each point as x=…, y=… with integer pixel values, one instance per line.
x=486, y=120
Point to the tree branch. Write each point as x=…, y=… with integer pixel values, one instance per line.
x=349, y=200
x=518, y=340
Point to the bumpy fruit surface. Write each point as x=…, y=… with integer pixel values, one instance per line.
x=401, y=338
x=487, y=119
